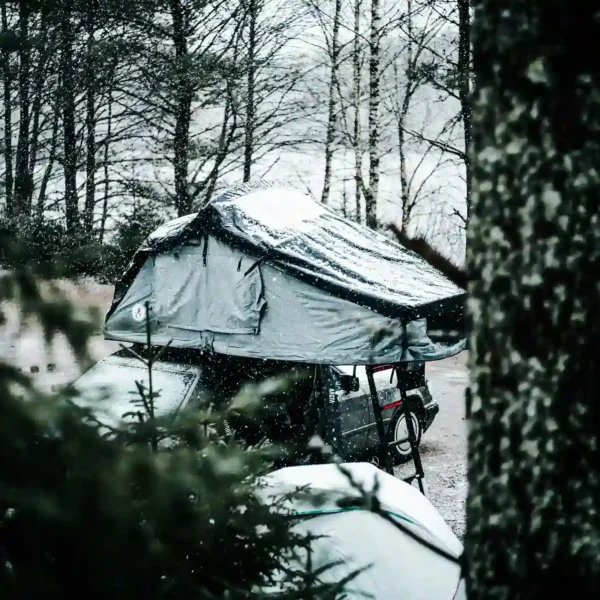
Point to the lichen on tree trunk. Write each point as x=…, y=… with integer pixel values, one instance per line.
x=533, y=524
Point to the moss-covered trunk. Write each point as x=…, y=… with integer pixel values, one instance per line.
x=534, y=260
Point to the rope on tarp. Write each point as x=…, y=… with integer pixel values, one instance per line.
x=369, y=501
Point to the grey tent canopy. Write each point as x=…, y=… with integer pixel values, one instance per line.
x=264, y=271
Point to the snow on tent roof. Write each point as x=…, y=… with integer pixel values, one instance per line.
x=283, y=225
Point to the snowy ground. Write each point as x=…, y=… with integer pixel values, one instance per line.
x=443, y=448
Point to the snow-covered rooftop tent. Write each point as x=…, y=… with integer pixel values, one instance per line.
x=264, y=271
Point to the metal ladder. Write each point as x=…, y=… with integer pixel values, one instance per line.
x=385, y=446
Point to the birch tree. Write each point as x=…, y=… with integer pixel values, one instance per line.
x=334, y=52
x=329, y=19
x=448, y=73
x=357, y=52
x=267, y=102
x=533, y=525
x=372, y=190
x=409, y=72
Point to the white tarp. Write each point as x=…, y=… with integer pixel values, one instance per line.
x=398, y=566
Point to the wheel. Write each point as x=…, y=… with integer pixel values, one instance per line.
x=398, y=431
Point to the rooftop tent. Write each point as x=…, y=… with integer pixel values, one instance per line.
x=265, y=271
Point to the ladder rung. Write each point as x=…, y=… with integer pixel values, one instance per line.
x=398, y=442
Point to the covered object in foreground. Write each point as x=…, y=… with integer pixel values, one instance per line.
x=264, y=271
x=391, y=563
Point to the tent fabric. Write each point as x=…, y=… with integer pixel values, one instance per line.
x=330, y=252
x=396, y=566
x=266, y=272
x=275, y=221
x=231, y=291
x=258, y=312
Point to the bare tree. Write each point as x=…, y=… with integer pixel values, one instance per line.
x=254, y=7
x=267, y=102
x=51, y=159
x=372, y=191
x=334, y=52
x=44, y=81
x=7, y=78
x=410, y=69
x=22, y=179
x=183, y=71
x=107, y=145
x=90, y=117
x=464, y=71
x=68, y=92
x=357, y=88
x=450, y=74
x=184, y=95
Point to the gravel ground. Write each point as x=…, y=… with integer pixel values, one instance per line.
x=443, y=448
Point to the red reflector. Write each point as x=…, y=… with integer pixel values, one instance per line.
x=393, y=405
x=382, y=368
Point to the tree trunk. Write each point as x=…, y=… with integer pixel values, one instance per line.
x=374, y=101
x=331, y=108
x=225, y=139
x=533, y=524
x=253, y=9
x=408, y=91
x=183, y=110
x=41, y=77
x=50, y=163
x=404, y=187
x=106, y=155
x=464, y=90
x=344, y=201
x=23, y=181
x=356, y=73
x=7, y=88
x=68, y=114
x=90, y=121
x=52, y=152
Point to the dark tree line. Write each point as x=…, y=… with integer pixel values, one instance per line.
x=109, y=105
x=107, y=102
